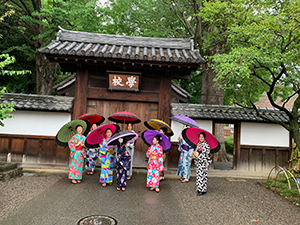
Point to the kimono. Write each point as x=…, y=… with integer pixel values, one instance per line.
x=155, y=165
x=123, y=165
x=202, y=162
x=130, y=150
x=184, y=165
x=91, y=158
x=106, y=156
x=77, y=154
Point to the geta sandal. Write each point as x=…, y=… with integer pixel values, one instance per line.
x=157, y=190
x=185, y=181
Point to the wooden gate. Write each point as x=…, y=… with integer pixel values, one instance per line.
x=144, y=111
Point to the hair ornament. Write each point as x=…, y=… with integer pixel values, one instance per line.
x=120, y=140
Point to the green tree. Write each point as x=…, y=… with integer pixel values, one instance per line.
x=264, y=56
x=5, y=60
x=37, y=21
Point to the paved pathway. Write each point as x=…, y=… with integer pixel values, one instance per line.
x=227, y=202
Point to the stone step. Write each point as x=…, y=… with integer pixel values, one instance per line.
x=7, y=175
x=4, y=166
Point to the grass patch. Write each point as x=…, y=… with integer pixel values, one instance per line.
x=282, y=188
x=229, y=144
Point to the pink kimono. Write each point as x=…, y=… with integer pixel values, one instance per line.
x=155, y=165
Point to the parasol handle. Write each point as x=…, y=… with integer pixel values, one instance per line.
x=72, y=130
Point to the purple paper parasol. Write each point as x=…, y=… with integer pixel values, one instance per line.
x=128, y=136
x=148, y=136
x=185, y=120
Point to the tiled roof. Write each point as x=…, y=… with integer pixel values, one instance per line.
x=223, y=112
x=75, y=43
x=38, y=102
x=175, y=87
x=70, y=80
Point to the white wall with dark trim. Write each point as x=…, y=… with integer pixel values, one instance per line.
x=26, y=122
x=264, y=134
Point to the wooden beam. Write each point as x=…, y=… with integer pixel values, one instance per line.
x=81, y=87
x=105, y=94
x=236, y=145
x=165, y=97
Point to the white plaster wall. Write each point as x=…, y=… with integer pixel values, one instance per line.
x=263, y=134
x=35, y=123
x=206, y=125
x=178, y=127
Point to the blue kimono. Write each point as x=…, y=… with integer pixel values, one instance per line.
x=184, y=165
x=107, y=157
x=123, y=165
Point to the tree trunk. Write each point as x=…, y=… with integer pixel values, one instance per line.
x=44, y=74
x=213, y=95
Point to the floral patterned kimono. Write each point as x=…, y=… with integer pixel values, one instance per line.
x=91, y=158
x=106, y=156
x=202, y=162
x=184, y=165
x=77, y=154
x=123, y=165
x=155, y=166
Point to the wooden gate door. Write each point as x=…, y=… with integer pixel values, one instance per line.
x=144, y=111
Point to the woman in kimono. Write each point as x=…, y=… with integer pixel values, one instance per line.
x=106, y=156
x=155, y=164
x=130, y=150
x=202, y=161
x=123, y=165
x=77, y=153
x=184, y=164
x=91, y=156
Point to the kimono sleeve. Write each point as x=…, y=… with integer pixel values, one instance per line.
x=72, y=145
x=191, y=151
x=148, y=151
x=102, y=147
x=180, y=144
x=160, y=156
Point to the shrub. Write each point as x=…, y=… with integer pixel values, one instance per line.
x=229, y=144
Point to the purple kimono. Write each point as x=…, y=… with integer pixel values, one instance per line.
x=123, y=165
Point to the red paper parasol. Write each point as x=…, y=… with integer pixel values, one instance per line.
x=190, y=135
x=95, y=137
x=92, y=118
x=124, y=117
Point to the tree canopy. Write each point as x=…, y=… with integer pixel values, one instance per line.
x=264, y=53
x=6, y=60
x=34, y=24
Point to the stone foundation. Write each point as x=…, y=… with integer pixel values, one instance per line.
x=9, y=171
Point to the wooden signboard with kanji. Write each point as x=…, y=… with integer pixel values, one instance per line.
x=123, y=82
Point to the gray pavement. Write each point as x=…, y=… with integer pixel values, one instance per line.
x=228, y=201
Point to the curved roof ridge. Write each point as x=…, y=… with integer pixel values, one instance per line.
x=89, y=37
